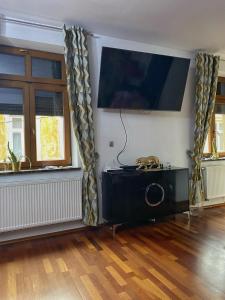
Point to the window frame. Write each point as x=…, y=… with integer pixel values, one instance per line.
x=18, y=52
x=66, y=114
x=47, y=56
x=212, y=130
x=29, y=84
x=28, y=54
x=26, y=108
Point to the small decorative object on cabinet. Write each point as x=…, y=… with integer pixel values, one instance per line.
x=148, y=162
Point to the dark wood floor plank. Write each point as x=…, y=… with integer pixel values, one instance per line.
x=167, y=260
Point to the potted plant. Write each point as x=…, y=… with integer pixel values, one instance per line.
x=15, y=161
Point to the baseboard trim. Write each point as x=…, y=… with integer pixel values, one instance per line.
x=214, y=205
x=22, y=235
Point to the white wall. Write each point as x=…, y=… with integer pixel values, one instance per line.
x=165, y=134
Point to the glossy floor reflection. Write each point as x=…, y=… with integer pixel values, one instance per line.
x=167, y=260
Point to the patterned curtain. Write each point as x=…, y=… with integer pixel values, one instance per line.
x=206, y=84
x=76, y=57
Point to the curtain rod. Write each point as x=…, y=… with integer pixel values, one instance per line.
x=37, y=25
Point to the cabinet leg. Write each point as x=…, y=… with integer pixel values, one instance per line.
x=189, y=217
x=114, y=227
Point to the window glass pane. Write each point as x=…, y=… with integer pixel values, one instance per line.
x=206, y=147
x=11, y=109
x=220, y=126
x=49, y=125
x=12, y=64
x=11, y=101
x=46, y=68
x=220, y=132
x=220, y=108
x=48, y=103
x=17, y=143
x=16, y=123
x=221, y=88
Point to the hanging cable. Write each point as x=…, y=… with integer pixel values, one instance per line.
x=125, y=143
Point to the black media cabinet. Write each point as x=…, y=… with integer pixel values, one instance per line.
x=134, y=195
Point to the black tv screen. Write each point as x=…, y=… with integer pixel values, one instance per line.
x=137, y=80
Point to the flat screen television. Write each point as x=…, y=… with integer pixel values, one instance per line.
x=138, y=80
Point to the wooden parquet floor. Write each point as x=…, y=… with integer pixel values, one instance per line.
x=167, y=260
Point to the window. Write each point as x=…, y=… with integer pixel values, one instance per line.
x=216, y=135
x=34, y=109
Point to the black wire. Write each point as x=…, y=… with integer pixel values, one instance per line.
x=125, y=144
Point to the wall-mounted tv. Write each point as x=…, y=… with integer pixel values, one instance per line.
x=138, y=80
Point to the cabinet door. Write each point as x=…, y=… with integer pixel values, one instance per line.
x=151, y=195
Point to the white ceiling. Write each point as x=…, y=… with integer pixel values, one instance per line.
x=182, y=24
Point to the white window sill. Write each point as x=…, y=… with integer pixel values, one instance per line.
x=40, y=175
x=40, y=170
x=213, y=159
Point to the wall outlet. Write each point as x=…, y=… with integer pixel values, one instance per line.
x=111, y=144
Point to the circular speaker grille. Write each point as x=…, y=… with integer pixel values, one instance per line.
x=154, y=194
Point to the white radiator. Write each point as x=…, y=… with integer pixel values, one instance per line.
x=24, y=205
x=214, y=181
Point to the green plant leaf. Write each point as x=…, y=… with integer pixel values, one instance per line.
x=12, y=157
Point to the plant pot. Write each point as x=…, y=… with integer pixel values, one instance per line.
x=16, y=166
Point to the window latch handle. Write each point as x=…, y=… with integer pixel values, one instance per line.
x=23, y=50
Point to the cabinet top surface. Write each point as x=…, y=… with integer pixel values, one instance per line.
x=127, y=172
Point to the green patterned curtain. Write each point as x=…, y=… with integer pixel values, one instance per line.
x=207, y=66
x=78, y=80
